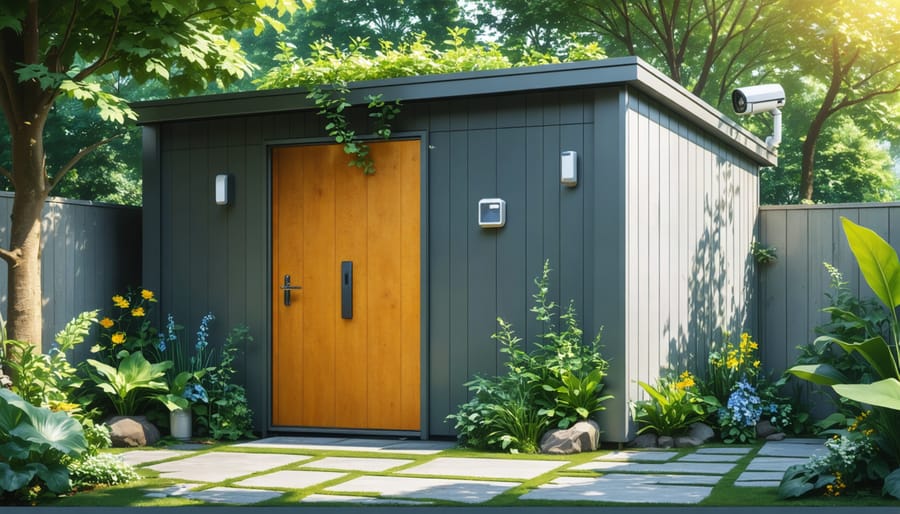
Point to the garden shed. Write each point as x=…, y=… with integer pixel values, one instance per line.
x=643, y=198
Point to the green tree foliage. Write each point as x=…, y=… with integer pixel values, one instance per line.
x=53, y=49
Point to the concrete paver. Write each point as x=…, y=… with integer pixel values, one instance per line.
x=485, y=468
x=710, y=457
x=640, y=456
x=714, y=468
x=773, y=463
x=175, y=490
x=619, y=488
x=464, y=491
x=358, y=500
x=793, y=448
x=291, y=479
x=356, y=463
x=140, y=457
x=723, y=450
x=352, y=444
x=219, y=466
x=232, y=495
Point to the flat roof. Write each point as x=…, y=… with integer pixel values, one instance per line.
x=630, y=71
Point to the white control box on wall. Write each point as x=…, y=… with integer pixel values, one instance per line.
x=491, y=212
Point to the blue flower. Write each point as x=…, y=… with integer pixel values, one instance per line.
x=195, y=393
x=744, y=405
x=203, y=333
x=170, y=328
x=161, y=346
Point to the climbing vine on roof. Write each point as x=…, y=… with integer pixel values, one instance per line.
x=329, y=70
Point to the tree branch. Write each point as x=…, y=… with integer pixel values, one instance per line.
x=6, y=173
x=11, y=258
x=74, y=160
x=65, y=40
x=103, y=59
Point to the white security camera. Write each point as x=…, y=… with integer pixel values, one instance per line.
x=754, y=99
x=762, y=98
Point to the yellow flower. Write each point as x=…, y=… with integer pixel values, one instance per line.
x=118, y=338
x=687, y=380
x=120, y=302
x=137, y=312
x=64, y=407
x=754, y=346
x=756, y=364
x=107, y=323
x=146, y=294
x=732, y=363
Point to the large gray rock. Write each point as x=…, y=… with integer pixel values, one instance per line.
x=583, y=436
x=130, y=431
x=765, y=429
x=777, y=436
x=701, y=432
x=686, y=441
x=646, y=440
x=665, y=441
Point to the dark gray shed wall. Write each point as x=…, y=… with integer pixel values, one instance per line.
x=216, y=258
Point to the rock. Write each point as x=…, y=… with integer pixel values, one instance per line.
x=665, y=441
x=130, y=431
x=777, y=436
x=686, y=441
x=765, y=429
x=647, y=440
x=583, y=436
x=701, y=432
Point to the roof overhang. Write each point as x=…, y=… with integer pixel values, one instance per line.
x=628, y=71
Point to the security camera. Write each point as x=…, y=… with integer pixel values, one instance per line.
x=762, y=98
x=754, y=99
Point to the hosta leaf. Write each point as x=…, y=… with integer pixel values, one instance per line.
x=884, y=393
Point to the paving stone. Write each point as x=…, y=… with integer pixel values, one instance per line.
x=773, y=463
x=190, y=447
x=351, y=444
x=232, y=495
x=140, y=457
x=662, y=467
x=175, y=490
x=639, y=456
x=464, y=491
x=791, y=448
x=290, y=479
x=749, y=476
x=360, y=500
x=709, y=457
x=485, y=468
x=219, y=466
x=619, y=489
x=731, y=450
x=356, y=463
x=759, y=483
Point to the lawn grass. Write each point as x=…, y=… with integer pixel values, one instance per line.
x=725, y=493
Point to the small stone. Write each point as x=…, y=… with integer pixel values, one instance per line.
x=665, y=441
x=777, y=436
x=765, y=429
x=686, y=441
x=701, y=432
x=583, y=436
x=131, y=431
x=647, y=440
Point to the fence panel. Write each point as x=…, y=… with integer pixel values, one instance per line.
x=90, y=252
x=792, y=289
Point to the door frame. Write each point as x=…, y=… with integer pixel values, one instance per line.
x=424, y=358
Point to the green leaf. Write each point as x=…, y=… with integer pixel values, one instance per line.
x=884, y=393
x=877, y=354
x=13, y=479
x=877, y=261
x=892, y=484
x=56, y=476
x=822, y=374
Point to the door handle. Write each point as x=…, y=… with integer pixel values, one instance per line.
x=287, y=288
x=347, y=289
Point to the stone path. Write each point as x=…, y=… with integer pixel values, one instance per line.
x=629, y=477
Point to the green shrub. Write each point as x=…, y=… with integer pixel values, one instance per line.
x=673, y=407
x=229, y=414
x=557, y=384
x=35, y=444
x=100, y=469
x=133, y=378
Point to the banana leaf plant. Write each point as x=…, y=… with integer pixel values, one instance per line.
x=880, y=267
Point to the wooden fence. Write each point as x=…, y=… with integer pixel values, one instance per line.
x=792, y=289
x=90, y=252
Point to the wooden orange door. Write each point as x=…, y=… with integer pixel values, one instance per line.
x=330, y=371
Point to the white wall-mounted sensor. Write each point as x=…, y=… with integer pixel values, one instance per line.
x=491, y=212
x=223, y=189
x=568, y=168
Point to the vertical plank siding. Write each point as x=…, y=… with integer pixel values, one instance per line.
x=792, y=289
x=90, y=252
x=690, y=216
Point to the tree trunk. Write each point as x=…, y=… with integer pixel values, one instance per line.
x=24, y=257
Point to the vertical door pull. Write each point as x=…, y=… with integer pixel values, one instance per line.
x=347, y=289
x=287, y=288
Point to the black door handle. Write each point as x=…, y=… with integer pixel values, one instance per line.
x=347, y=289
x=287, y=288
